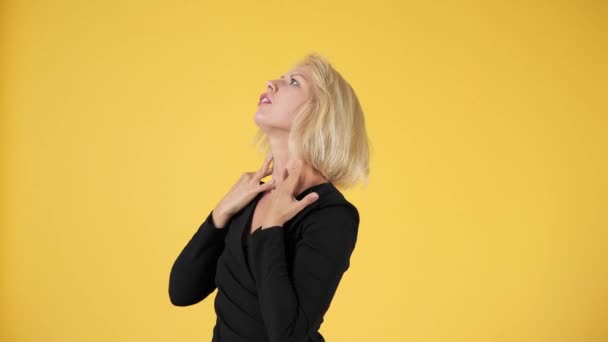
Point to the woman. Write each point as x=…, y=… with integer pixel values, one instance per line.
x=277, y=251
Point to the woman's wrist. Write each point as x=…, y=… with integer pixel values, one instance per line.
x=220, y=218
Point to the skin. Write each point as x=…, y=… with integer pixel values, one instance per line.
x=290, y=173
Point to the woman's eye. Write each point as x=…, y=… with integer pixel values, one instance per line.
x=293, y=79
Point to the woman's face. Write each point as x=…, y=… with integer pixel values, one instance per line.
x=286, y=95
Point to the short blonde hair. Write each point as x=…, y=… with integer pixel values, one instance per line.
x=329, y=130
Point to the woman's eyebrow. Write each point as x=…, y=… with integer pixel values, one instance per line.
x=295, y=75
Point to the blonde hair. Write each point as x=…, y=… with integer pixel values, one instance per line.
x=329, y=130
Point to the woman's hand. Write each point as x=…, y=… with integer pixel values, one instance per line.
x=282, y=203
x=242, y=192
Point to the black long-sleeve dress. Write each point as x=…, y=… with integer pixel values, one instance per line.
x=275, y=284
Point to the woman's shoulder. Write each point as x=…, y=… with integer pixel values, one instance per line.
x=331, y=207
x=332, y=200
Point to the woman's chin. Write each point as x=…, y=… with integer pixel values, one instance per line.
x=259, y=118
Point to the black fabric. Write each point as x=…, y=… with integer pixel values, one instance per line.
x=276, y=284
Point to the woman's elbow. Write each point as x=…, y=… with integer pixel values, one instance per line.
x=182, y=292
x=183, y=297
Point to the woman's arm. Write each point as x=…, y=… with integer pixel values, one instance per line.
x=192, y=276
x=293, y=306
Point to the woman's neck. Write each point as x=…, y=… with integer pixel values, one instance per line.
x=282, y=156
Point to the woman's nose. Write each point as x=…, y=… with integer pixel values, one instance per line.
x=270, y=85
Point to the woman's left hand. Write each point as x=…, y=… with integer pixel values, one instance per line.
x=282, y=203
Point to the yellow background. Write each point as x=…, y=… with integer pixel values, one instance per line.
x=125, y=122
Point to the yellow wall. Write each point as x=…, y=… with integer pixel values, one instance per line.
x=124, y=122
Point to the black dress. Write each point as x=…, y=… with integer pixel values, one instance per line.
x=276, y=284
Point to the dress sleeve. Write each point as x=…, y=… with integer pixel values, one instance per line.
x=192, y=276
x=293, y=305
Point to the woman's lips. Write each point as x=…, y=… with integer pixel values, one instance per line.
x=264, y=99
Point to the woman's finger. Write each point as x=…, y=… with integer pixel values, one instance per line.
x=301, y=204
x=285, y=174
x=269, y=185
x=294, y=175
x=268, y=172
x=262, y=171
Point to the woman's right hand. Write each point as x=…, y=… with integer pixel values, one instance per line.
x=242, y=192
